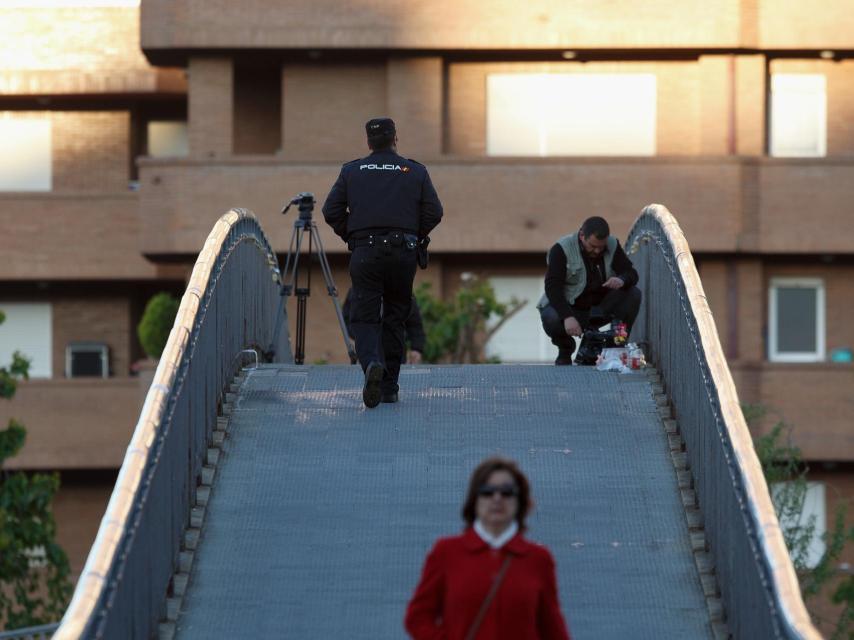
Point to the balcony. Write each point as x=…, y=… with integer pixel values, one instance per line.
x=521, y=205
x=814, y=399
x=172, y=27
x=74, y=424
x=100, y=55
x=71, y=236
x=805, y=205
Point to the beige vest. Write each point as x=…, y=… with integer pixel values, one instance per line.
x=576, y=274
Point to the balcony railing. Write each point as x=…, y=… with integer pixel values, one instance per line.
x=83, y=423
x=175, y=26
x=71, y=236
x=521, y=205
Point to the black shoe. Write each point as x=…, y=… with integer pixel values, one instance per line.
x=564, y=357
x=371, y=393
x=390, y=397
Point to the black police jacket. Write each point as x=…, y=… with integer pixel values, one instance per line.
x=382, y=191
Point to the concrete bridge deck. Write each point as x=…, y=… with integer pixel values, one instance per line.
x=323, y=511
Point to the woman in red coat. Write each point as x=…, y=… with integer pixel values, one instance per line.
x=489, y=583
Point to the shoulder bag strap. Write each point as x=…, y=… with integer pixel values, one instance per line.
x=496, y=583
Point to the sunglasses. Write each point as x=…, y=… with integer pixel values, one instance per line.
x=506, y=491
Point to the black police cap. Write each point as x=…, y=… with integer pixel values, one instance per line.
x=380, y=127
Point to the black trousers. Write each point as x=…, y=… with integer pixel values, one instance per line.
x=382, y=278
x=620, y=304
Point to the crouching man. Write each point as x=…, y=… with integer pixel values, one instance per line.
x=590, y=281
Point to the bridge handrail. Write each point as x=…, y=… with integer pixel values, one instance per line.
x=139, y=510
x=759, y=586
x=38, y=632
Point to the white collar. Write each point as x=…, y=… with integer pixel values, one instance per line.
x=496, y=542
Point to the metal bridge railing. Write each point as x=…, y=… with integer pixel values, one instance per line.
x=230, y=305
x=40, y=632
x=759, y=587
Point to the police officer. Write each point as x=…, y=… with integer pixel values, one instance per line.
x=383, y=206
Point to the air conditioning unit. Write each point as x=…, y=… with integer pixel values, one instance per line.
x=87, y=360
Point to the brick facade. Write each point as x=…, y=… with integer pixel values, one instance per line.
x=210, y=106
x=326, y=107
x=91, y=151
x=93, y=319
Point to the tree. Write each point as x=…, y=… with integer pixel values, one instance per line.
x=786, y=475
x=458, y=330
x=34, y=572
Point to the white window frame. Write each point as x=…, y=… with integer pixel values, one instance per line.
x=774, y=355
x=791, y=84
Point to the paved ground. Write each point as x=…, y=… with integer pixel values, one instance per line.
x=323, y=511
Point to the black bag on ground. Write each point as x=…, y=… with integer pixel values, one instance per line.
x=592, y=343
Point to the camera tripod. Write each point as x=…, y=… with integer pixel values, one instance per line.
x=290, y=280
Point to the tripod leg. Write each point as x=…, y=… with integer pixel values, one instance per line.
x=289, y=277
x=333, y=293
x=296, y=241
x=278, y=322
x=299, y=352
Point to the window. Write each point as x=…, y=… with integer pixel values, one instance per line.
x=521, y=338
x=167, y=139
x=571, y=114
x=798, y=115
x=27, y=329
x=796, y=320
x=257, y=108
x=812, y=516
x=25, y=164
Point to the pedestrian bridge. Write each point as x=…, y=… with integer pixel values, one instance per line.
x=261, y=499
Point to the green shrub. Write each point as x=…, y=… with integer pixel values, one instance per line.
x=157, y=320
x=457, y=330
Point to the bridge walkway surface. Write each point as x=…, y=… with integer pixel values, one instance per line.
x=323, y=511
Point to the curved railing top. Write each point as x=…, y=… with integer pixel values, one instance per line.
x=783, y=585
x=94, y=580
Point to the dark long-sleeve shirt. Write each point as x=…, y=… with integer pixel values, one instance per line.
x=596, y=277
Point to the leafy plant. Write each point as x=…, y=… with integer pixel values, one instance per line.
x=156, y=323
x=786, y=475
x=457, y=330
x=34, y=583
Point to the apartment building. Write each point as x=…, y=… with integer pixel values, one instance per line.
x=141, y=125
x=78, y=103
